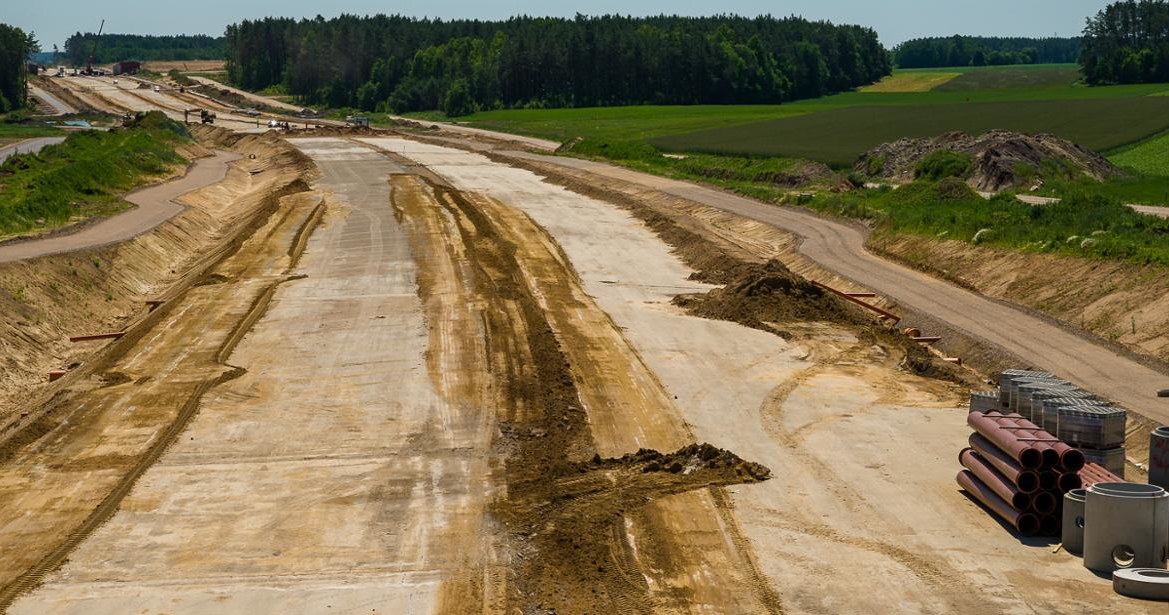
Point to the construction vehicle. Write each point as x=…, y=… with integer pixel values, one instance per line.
x=89, y=64
x=207, y=117
x=357, y=121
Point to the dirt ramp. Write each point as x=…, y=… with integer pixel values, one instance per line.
x=997, y=160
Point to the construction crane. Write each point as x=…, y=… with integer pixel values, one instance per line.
x=93, y=50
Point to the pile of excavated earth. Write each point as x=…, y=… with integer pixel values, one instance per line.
x=1000, y=159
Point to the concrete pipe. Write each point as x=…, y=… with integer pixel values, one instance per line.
x=1044, y=503
x=1024, y=453
x=1126, y=526
x=1073, y=521
x=1025, y=523
x=1049, y=525
x=1159, y=457
x=1069, y=481
x=1143, y=583
x=1026, y=480
x=993, y=480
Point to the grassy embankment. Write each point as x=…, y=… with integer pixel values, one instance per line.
x=86, y=175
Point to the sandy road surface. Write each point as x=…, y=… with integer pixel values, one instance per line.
x=125, y=96
x=1152, y=210
x=333, y=476
x=59, y=106
x=844, y=509
x=27, y=145
x=155, y=205
x=840, y=248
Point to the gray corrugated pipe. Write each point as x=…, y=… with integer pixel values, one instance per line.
x=1126, y=525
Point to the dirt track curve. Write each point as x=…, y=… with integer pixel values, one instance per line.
x=841, y=248
x=155, y=205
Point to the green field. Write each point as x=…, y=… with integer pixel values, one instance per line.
x=85, y=175
x=1150, y=156
x=836, y=129
x=839, y=136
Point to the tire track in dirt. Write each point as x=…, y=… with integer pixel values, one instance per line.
x=563, y=513
x=110, y=504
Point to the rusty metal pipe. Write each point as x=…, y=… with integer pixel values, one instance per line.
x=993, y=480
x=1049, y=525
x=1069, y=481
x=1044, y=503
x=1063, y=455
x=1026, y=480
x=1029, y=457
x=1048, y=480
x=1024, y=522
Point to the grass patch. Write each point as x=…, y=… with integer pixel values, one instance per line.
x=1083, y=224
x=911, y=81
x=1150, y=157
x=85, y=175
x=838, y=137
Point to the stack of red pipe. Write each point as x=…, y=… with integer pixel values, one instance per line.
x=1093, y=473
x=1019, y=471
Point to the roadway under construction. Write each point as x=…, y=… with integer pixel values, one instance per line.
x=431, y=371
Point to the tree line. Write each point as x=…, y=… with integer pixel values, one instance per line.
x=406, y=64
x=15, y=47
x=937, y=52
x=1127, y=42
x=119, y=47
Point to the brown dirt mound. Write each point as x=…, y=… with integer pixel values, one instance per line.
x=1000, y=159
x=767, y=293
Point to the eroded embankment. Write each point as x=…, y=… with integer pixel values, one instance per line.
x=114, y=416
x=49, y=299
x=567, y=513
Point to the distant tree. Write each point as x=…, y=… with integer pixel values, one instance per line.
x=407, y=64
x=1127, y=42
x=982, y=51
x=15, y=48
x=118, y=47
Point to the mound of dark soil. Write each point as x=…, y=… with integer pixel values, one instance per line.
x=1000, y=159
x=767, y=293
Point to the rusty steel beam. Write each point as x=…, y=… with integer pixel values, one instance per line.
x=927, y=339
x=56, y=375
x=861, y=295
x=1025, y=522
x=885, y=313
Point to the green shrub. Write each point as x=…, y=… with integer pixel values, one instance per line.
x=942, y=164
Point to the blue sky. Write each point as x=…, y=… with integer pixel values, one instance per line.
x=894, y=20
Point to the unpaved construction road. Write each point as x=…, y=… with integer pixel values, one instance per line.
x=153, y=206
x=840, y=248
x=440, y=384
x=432, y=381
x=27, y=145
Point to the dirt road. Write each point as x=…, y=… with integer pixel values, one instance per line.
x=27, y=145
x=840, y=248
x=59, y=106
x=154, y=205
x=259, y=100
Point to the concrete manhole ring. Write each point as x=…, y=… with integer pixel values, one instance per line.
x=1147, y=583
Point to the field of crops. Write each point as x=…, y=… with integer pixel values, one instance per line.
x=1150, y=157
x=839, y=136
